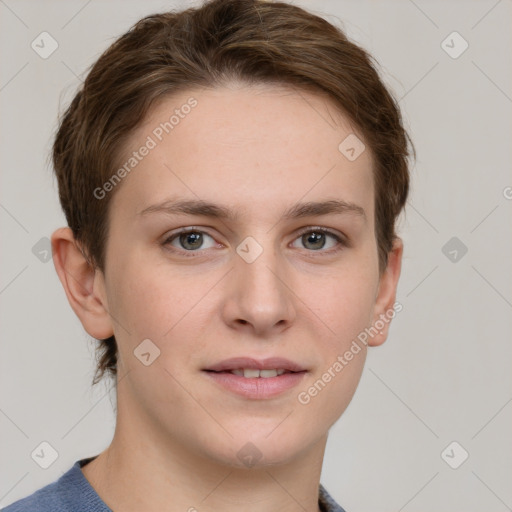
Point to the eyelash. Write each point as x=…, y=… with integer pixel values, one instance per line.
x=342, y=243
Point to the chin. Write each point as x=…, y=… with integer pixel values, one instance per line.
x=254, y=448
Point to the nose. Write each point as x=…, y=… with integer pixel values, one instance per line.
x=259, y=298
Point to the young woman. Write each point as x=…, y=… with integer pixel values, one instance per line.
x=231, y=175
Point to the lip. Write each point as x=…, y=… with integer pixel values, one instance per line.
x=256, y=388
x=269, y=363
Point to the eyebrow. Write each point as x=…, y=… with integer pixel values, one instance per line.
x=296, y=211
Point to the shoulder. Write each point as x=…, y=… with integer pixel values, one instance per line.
x=327, y=502
x=45, y=499
x=70, y=492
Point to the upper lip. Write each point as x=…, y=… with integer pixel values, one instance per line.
x=270, y=363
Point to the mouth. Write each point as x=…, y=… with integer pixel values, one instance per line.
x=250, y=367
x=256, y=379
x=251, y=373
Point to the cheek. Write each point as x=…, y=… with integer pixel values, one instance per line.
x=344, y=306
x=152, y=300
x=329, y=390
x=142, y=302
x=344, y=302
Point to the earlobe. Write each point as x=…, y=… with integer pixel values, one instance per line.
x=385, y=302
x=78, y=280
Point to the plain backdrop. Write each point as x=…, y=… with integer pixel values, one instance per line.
x=443, y=375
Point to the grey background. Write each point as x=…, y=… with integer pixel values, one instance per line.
x=444, y=373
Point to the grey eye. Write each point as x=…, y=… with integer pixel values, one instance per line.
x=316, y=239
x=189, y=240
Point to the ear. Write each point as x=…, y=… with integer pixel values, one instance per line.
x=384, y=309
x=84, y=285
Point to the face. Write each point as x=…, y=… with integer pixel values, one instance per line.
x=273, y=256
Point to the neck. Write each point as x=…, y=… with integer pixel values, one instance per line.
x=154, y=473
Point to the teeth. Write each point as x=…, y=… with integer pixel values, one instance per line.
x=249, y=373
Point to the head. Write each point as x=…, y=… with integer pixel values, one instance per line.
x=245, y=108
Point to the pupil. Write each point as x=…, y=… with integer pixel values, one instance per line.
x=315, y=237
x=194, y=238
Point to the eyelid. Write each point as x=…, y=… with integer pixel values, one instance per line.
x=170, y=237
x=343, y=241
x=339, y=237
x=329, y=231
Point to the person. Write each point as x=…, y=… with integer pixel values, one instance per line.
x=231, y=176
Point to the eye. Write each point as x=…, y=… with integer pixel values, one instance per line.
x=314, y=239
x=189, y=240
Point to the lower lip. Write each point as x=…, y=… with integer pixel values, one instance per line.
x=257, y=388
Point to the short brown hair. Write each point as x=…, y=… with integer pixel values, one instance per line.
x=252, y=41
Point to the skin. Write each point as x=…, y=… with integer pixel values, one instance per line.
x=178, y=434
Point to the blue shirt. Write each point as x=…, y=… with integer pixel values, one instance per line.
x=72, y=492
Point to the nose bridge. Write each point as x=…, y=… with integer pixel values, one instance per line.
x=261, y=296
x=259, y=264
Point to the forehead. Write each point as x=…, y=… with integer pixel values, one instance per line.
x=246, y=146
